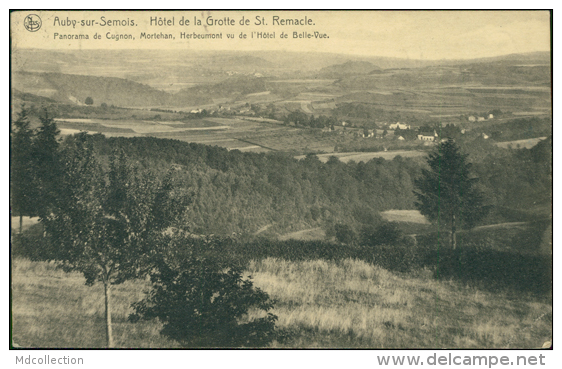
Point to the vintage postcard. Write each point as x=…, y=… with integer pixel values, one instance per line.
x=281, y=179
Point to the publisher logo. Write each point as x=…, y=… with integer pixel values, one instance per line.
x=32, y=23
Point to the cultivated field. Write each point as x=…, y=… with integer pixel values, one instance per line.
x=527, y=144
x=366, y=156
x=223, y=132
x=409, y=216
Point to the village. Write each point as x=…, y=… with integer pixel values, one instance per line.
x=429, y=134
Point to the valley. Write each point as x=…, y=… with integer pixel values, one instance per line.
x=244, y=101
x=300, y=172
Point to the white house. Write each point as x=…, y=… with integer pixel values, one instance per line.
x=398, y=125
x=425, y=137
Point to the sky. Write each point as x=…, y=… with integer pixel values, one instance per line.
x=426, y=35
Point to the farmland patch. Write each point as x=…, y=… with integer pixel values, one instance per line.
x=366, y=156
x=410, y=216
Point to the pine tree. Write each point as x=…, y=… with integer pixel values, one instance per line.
x=22, y=183
x=46, y=163
x=447, y=192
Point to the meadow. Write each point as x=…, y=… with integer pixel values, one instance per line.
x=320, y=303
x=527, y=143
x=329, y=295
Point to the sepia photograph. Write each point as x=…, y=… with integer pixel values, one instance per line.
x=281, y=179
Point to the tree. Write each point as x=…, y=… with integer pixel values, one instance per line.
x=22, y=183
x=46, y=164
x=298, y=118
x=203, y=302
x=89, y=101
x=447, y=193
x=104, y=222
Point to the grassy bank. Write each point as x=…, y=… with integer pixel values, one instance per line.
x=345, y=303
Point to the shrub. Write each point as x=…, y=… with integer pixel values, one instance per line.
x=385, y=234
x=344, y=233
x=31, y=244
x=203, y=303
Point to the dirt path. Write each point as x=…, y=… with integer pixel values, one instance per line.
x=306, y=235
x=256, y=144
x=500, y=225
x=263, y=229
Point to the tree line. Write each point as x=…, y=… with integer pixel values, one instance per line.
x=301, y=119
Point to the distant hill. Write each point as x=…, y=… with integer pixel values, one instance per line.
x=211, y=75
x=231, y=87
x=243, y=61
x=189, y=65
x=74, y=89
x=347, y=69
x=539, y=57
x=71, y=88
x=18, y=97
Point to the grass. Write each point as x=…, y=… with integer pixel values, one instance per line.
x=343, y=303
x=53, y=309
x=354, y=304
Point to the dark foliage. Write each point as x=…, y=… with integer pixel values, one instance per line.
x=22, y=179
x=344, y=233
x=47, y=166
x=205, y=303
x=492, y=260
x=387, y=233
x=487, y=264
x=31, y=244
x=519, y=129
x=243, y=192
